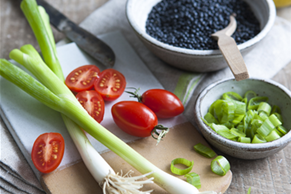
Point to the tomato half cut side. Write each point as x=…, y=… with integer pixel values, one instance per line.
x=82, y=78
x=93, y=103
x=47, y=152
x=110, y=84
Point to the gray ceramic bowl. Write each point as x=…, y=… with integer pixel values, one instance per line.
x=195, y=60
x=278, y=95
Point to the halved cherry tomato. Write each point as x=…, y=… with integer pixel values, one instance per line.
x=47, y=152
x=82, y=78
x=110, y=84
x=93, y=103
x=134, y=118
x=164, y=103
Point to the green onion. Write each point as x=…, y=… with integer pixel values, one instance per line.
x=227, y=134
x=228, y=109
x=237, y=132
x=276, y=109
x=250, y=94
x=282, y=129
x=244, y=139
x=231, y=96
x=272, y=136
x=263, y=116
x=210, y=118
x=238, y=119
x=274, y=120
x=266, y=128
x=254, y=102
x=183, y=161
x=258, y=139
x=204, y=150
x=278, y=116
x=193, y=179
x=249, y=190
x=220, y=165
x=264, y=107
x=218, y=128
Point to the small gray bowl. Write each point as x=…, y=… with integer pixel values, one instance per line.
x=195, y=60
x=277, y=94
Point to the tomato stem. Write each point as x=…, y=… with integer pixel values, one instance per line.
x=135, y=94
x=161, y=133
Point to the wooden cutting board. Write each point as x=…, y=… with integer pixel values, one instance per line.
x=178, y=143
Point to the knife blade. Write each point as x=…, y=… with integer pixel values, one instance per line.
x=88, y=42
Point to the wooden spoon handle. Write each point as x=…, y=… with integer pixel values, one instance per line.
x=233, y=57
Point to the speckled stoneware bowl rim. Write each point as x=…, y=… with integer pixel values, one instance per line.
x=271, y=20
x=229, y=143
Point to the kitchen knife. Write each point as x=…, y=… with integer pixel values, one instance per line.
x=84, y=39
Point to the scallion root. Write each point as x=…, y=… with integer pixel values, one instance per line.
x=125, y=184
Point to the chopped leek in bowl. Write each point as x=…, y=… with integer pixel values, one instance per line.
x=266, y=103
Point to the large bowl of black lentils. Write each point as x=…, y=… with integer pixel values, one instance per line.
x=179, y=31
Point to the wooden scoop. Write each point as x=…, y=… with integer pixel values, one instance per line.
x=231, y=53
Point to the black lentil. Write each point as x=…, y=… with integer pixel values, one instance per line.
x=189, y=23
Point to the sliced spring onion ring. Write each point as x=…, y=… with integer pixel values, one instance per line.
x=254, y=102
x=204, y=150
x=231, y=96
x=274, y=120
x=183, y=161
x=250, y=94
x=276, y=109
x=217, y=128
x=210, y=118
x=227, y=134
x=264, y=107
x=193, y=179
x=244, y=139
x=237, y=132
x=220, y=165
x=266, y=128
x=272, y=136
x=279, y=116
x=282, y=129
x=258, y=139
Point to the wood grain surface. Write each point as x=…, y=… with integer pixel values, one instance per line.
x=270, y=175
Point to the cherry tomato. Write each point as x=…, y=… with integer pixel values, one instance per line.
x=134, y=118
x=93, y=103
x=82, y=78
x=110, y=84
x=164, y=103
x=47, y=152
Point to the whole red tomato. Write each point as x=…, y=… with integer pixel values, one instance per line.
x=162, y=102
x=135, y=118
x=47, y=152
